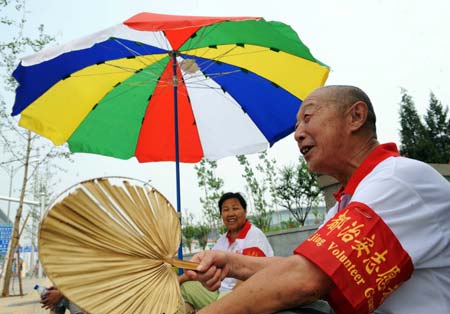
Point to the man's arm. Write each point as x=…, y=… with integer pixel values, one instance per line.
x=214, y=266
x=285, y=284
x=272, y=284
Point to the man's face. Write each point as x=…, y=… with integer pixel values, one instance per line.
x=319, y=132
x=233, y=215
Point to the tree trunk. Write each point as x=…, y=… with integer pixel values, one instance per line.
x=16, y=234
x=19, y=273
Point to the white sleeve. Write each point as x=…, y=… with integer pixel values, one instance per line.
x=414, y=207
x=256, y=238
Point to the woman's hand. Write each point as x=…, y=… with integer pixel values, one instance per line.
x=51, y=298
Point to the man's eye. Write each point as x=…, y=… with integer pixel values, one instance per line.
x=306, y=117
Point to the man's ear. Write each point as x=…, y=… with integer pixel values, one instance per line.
x=357, y=115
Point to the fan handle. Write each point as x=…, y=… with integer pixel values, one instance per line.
x=183, y=264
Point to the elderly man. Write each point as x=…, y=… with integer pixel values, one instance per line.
x=385, y=245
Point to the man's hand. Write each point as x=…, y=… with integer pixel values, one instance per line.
x=51, y=298
x=212, y=269
x=271, y=284
x=183, y=278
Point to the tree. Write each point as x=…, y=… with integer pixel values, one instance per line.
x=188, y=231
x=267, y=167
x=19, y=145
x=413, y=136
x=429, y=141
x=438, y=130
x=212, y=189
x=258, y=189
x=201, y=234
x=298, y=190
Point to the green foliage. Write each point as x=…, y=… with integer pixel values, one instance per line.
x=298, y=190
x=188, y=231
x=259, y=188
x=188, y=235
x=413, y=135
x=191, y=231
x=212, y=189
x=222, y=229
x=201, y=233
x=290, y=223
x=438, y=131
x=267, y=167
x=429, y=141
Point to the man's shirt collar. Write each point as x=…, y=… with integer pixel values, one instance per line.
x=380, y=153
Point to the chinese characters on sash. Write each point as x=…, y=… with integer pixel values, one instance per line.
x=361, y=255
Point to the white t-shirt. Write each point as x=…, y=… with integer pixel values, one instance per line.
x=250, y=241
x=414, y=201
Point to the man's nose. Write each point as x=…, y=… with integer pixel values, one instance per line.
x=299, y=134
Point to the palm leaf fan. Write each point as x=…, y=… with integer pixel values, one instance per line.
x=110, y=247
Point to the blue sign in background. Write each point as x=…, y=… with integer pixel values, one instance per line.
x=5, y=236
x=27, y=249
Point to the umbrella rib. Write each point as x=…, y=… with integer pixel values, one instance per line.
x=204, y=32
x=209, y=63
x=217, y=59
x=217, y=74
x=152, y=77
x=162, y=40
x=135, y=52
x=209, y=74
x=222, y=93
x=227, y=53
x=224, y=53
x=126, y=69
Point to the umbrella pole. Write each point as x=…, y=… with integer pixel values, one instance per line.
x=177, y=150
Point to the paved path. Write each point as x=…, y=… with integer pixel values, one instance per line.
x=28, y=304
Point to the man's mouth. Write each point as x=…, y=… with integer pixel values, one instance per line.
x=305, y=149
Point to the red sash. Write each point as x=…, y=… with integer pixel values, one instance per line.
x=361, y=255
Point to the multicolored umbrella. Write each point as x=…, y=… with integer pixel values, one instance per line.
x=163, y=87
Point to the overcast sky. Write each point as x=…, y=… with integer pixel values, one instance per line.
x=377, y=45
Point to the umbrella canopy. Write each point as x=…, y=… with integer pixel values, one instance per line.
x=217, y=86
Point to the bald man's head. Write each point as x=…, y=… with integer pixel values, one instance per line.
x=343, y=96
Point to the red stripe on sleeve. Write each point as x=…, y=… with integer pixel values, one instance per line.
x=253, y=251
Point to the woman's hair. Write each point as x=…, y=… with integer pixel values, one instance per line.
x=229, y=195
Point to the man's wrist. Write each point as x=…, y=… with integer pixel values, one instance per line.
x=229, y=261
